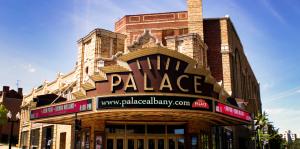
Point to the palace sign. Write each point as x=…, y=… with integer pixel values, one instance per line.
x=152, y=101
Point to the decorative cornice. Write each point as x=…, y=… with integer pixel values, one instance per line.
x=146, y=40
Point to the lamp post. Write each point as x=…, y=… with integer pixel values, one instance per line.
x=10, y=119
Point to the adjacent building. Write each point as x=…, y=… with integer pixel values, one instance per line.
x=12, y=101
x=162, y=80
x=289, y=137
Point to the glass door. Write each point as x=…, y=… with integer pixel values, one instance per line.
x=115, y=143
x=156, y=143
x=144, y=136
x=175, y=142
x=120, y=143
x=135, y=143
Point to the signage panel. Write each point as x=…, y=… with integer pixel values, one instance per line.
x=62, y=109
x=168, y=102
x=233, y=112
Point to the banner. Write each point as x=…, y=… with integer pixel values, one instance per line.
x=68, y=108
x=233, y=112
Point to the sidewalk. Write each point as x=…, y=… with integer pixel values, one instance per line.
x=5, y=146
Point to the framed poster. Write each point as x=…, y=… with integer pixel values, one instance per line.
x=98, y=140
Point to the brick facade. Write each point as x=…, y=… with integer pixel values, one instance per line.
x=12, y=101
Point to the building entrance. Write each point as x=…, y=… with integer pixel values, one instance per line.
x=145, y=136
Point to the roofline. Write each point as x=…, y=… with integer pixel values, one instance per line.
x=155, y=13
x=95, y=31
x=216, y=18
x=183, y=11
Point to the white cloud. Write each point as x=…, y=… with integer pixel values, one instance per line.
x=267, y=85
x=285, y=118
x=273, y=11
x=15, y=68
x=29, y=68
x=283, y=94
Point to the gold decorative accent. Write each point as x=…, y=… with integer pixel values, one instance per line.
x=157, y=50
x=138, y=64
x=168, y=63
x=158, y=62
x=177, y=65
x=210, y=79
x=149, y=63
x=217, y=88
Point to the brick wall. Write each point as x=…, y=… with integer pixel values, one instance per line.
x=212, y=38
x=228, y=62
x=160, y=24
x=244, y=84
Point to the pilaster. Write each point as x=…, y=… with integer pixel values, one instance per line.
x=195, y=17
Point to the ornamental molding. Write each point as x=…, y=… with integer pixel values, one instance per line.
x=146, y=40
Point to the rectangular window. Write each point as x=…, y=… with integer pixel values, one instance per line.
x=24, y=139
x=119, y=143
x=115, y=129
x=34, y=138
x=110, y=144
x=135, y=129
x=62, y=141
x=151, y=144
x=156, y=129
x=175, y=129
x=194, y=142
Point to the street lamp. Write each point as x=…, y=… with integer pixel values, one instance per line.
x=10, y=119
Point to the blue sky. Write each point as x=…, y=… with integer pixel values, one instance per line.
x=38, y=39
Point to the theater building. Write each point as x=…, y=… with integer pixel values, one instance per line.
x=170, y=80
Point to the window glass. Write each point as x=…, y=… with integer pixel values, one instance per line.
x=161, y=144
x=130, y=144
x=156, y=129
x=115, y=129
x=140, y=143
x=119, y=143
x=151, y=144
x=136, y=129
x=180, y=142
x=171, y=144
x=24, y=138
x=110, y=144
x=35, y=137
x=194, y=142
x=175, y=129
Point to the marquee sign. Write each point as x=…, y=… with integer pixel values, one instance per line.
x=233, y=112
x=149, y=79
x=62, y=109
x=156, y=73
x=152, y=101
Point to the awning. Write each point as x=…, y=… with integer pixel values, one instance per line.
x=47, y=99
